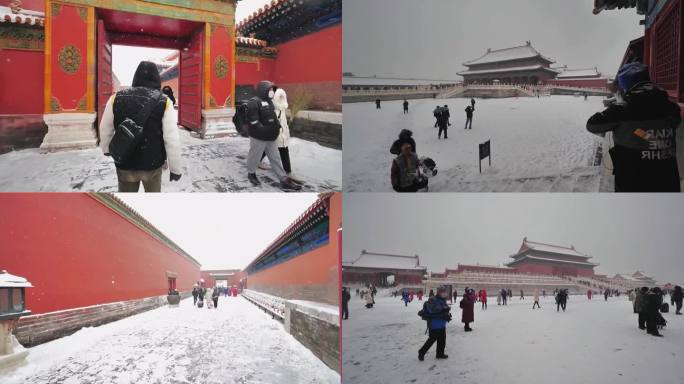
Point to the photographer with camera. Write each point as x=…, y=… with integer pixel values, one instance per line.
x=436, y=312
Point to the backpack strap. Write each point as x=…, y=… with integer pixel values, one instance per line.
x=146, y=111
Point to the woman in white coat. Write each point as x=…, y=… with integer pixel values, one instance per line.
x=280, y=104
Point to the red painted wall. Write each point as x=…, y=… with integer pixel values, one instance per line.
x=547, y=269
x=22, y=82
x=314, y=63
x=252, y=73
x=78, y=252
x=318, y=267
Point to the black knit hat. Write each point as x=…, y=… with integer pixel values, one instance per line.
x=147, y=75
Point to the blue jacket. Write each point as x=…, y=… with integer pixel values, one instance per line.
x=436, y=309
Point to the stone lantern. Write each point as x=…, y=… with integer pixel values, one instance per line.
x=12, y=307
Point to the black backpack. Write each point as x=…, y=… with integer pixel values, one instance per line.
x=129, y=133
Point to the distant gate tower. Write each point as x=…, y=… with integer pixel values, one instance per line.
x=547, y=259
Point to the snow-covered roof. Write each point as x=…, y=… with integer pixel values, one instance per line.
x=579, y=73
x=23, y=17
x=360, y=80
x=542, y=247
x=385, y=261
x=600, y=5
x=508, y=69
x=507, y=54
x=8, y=280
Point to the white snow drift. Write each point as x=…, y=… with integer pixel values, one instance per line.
x=537, y=144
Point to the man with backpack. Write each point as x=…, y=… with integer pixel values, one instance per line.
x=264, y=129
x=345, y=303
x=436, y=312
x=139, y=129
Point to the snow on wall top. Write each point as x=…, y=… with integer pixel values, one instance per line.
x=385, y=261
x=542, y=247
x=22, y=17
x=9, y=280
x=579, y=73
x=507, y=54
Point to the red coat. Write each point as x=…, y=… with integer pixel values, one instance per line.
x=589, y=294
x=235, y=292
x=467, y=305
x=483, y=295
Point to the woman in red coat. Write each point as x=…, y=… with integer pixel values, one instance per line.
x=589, y=292
x=483, y=298
x=467, y=305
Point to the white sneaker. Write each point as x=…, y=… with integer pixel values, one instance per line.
x=264, y=166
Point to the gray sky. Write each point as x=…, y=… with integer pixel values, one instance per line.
x=622, y=232
x=221, y=230
x=432, y=38
x=126, y=58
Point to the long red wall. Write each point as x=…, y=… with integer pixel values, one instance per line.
x=22, y=82
x=310, y=276
x=251, y=73
x=313, y=62
x=78, y=252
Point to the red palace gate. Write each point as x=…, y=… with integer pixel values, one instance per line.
x=79, y=35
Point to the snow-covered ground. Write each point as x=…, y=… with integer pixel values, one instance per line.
x=592, y=342
x=536, y=144
x=235, y=343
x=212, y=165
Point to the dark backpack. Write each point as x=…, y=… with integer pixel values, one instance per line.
x=129, y=133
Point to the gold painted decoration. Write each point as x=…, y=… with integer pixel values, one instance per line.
x=69, y=59
x=56, y=9
x=81, y=106
x=221, y=67
x=83, y=13
x=212, y=102
x=54, y=105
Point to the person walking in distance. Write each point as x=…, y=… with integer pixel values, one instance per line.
x=405, y=106
x=469, y=118
x=345, y=303
x=536, y=299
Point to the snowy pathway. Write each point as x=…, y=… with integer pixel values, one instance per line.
x=537, y=144
x=213, y=165
x=237, y=343
x=593, y=342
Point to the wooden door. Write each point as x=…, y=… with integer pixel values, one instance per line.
x=104, y=69
x=190, y=82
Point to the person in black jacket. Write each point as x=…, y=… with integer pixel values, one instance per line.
x=405, y=106
x=469, y=118
x=442, y=115
x=644, y=131
x=345, y=303
x=377, y=103
x=195, y=293
x=160, y=139
x=405, y=136
x=215, y=296
x=677, y=296
x=652, y=302
x=169, y=93
x=264, y=129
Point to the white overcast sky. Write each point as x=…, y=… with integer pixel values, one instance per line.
x=623, y=233
x=126, y=58
x=432, y=38
x=221, y=230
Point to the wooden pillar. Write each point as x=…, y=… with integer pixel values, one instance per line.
x=219, y=80
x=69, y=98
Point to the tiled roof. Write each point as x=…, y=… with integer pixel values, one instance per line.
x=23, y=17
x=507, y=54
x=582, y=73
x=527, y=244
x=385, y=261
x=268, y=11
x=508, y=69
x=250, y=42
